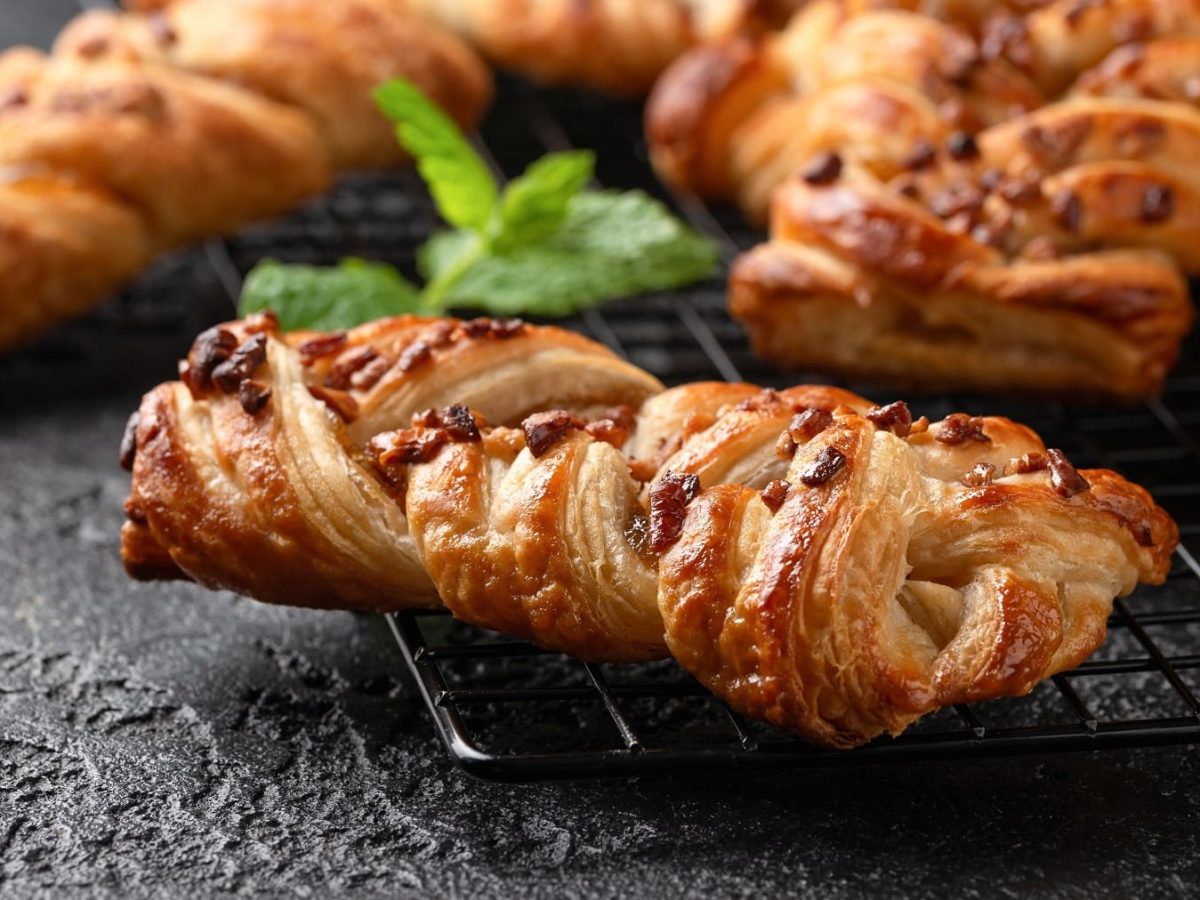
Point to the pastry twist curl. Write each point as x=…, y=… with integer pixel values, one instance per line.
x=835, y=567
x=143, y=132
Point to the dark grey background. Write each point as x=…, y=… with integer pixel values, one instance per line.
x=162, y=740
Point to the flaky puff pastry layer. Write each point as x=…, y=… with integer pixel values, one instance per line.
x=890, y=588
x=829, y=565
x=278, y=500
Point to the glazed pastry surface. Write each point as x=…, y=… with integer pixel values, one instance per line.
x=960, y=195
x=835, y=567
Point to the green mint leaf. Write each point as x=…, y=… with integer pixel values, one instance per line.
x=327, y=298
x=462, y=186
x=609, y=245
x=535, y=204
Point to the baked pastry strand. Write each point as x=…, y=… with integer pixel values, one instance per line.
x=143, y=132
x=835, y=567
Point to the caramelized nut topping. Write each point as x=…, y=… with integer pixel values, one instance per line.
x=243, y=363
x=408, y=445
x=317, y=348
x=460, y=424
x=1019, y=191
x=506, y=328
x=415, y=354
x=545, y=429
x=427, y=418
x=962, y=146
x=669, y=498
x=339, y=401
x=980, y=475
x=922, y=155
x=439, y=334
x=1023, y=465
x=211, y=348
x=895, y=417
x=1064, y=477
x=775, y=493
x=609, y=431
x=253, y=395
x=828, y=463
x=959, y=428
x=1067, y=210
x=803, y=428
x=129, y=442
x=368, y=376
x=1157, y=204
x=345, y=367
x=824, y=168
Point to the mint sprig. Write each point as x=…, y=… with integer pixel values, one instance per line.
x=544, y=245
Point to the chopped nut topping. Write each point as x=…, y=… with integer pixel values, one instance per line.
x=962, y=146
x=609, y=431
x=1067, y=210
x=428, y=418
x=828, y=463
x=408, y=445
x=460, y=424
x=807, y=425
x=346, y=366
x=243, y=363
x=763, y=398
x=210, y=349
x=1064, y=477
x=129, y=442
x=325, y=345
x=1157, y=204
x=637, y=532
x=493, y=328
x=440, y=333
x=415, y=354
x=669, y=498
x=545, y=429
x=959, y=428
x=775, y=493
x=824, y=168
x=368, y=376
x=339, y=401
x=980, y=475
x=253, y=395
x=1019, y=191
x=922, y=155
x=1030, y=462
x=894, y=416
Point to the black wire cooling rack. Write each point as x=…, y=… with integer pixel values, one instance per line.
x=508, y=710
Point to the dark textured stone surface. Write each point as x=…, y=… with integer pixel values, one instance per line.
x=163, y=740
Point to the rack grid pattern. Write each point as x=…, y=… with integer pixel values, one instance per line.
x=507, y=710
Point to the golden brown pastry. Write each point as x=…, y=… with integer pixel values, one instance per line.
x=324, y=58
x=619, y=46
x=941, y=215
x=834, y=567
x=144, y=132
x=251, y=473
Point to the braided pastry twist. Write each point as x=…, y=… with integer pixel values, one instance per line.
x=141, y=133
x=948, y=227
x=834, y=567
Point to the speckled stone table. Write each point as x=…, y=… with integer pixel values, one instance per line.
x=162, y=740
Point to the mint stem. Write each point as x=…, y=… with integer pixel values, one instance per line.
x=433, y=295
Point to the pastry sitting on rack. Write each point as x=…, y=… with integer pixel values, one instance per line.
x=141, y=133
x=934, y=221
x=834, y=567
